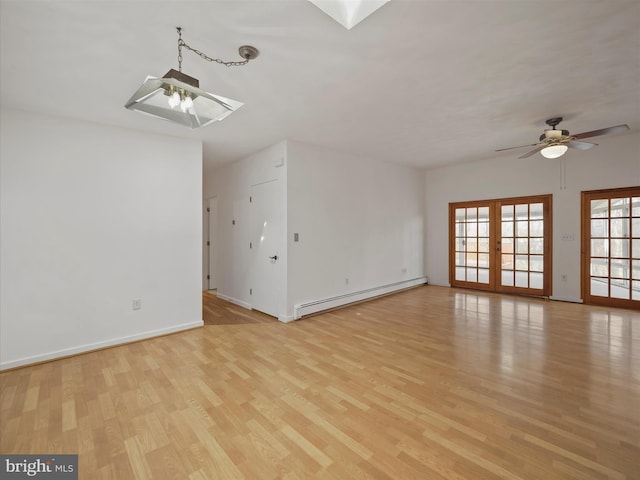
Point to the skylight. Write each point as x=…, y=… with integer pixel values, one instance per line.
x=348, y=12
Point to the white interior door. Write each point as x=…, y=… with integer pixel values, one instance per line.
x=265, y=234
x=213, y=243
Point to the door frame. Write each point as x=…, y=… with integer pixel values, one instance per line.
x=212, y=247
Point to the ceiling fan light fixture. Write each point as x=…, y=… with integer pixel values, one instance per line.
x=555, y=142
x=554, y=150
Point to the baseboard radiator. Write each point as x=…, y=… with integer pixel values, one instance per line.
x=308, y=308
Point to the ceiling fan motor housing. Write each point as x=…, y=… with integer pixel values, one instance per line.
x=554, y=135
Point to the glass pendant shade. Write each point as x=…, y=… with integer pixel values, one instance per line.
x=554, y=151
x=177, y=97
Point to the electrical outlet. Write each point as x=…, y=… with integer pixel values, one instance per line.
x=563, y=277
x=136, y=304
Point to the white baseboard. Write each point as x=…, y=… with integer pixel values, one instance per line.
x=67, y=352
x=286, y=318
x=240, y=303
x=234, y=301
x=316, y=306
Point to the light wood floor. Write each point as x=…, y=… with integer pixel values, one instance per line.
x=429, y=383
x=219, y=312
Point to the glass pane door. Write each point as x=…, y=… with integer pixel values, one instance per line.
x=501, y=245
x=611, y=240
x=522, y=246
x=471, y=245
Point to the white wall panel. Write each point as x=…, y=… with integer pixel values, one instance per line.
x=93, y=217
x=360, y=224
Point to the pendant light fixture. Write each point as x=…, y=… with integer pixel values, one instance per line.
x=177, y=97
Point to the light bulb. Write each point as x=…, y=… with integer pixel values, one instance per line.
x=186, y=104
x=174, y=100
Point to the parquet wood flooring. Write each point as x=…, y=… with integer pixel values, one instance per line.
x=430, y=383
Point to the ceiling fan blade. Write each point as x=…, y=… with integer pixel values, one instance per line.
x=603, y=131
x=512, y=148
x=581, y=145
x=535, y=150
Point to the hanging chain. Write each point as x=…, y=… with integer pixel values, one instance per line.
x=181, y=44
x=216, y=60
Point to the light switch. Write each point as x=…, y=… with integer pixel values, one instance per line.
x=295, y=237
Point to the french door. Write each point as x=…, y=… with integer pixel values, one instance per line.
x=501, y=245
x=611, y=247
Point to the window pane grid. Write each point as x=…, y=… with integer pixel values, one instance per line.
x=615, y=247
x=472, y=244
x=522, y=245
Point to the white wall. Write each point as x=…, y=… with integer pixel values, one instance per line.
x=92, y=217
x=614, y=163
x=231, y=186
x=357, y=219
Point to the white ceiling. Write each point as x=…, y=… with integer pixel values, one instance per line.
x=420, y=83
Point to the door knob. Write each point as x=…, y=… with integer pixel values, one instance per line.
x=275, y=257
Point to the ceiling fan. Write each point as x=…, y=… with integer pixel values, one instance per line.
x=554, y=143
